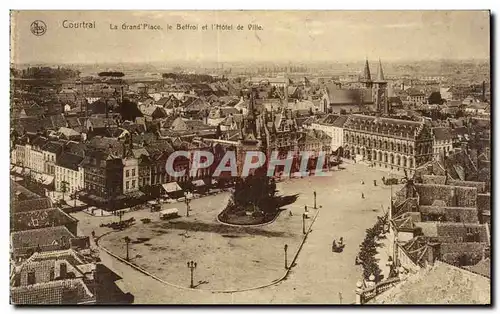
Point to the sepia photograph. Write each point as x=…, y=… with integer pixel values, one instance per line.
x=250, y=157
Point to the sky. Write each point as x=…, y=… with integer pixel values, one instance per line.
x=287, y=36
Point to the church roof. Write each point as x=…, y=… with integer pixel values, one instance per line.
x=366, y=76
x=380, y=72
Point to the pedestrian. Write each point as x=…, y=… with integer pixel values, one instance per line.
x=291, y=214
x=374, y=182
x=362, y=182
x=362, y=195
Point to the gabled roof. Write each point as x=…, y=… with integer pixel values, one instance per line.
x=50, y=237
x=53, y=292
x=31, y=204
x=442, y=134
x=440, y=284
x=53, y=147
x=69, y=161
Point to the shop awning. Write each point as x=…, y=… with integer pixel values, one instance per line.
x=199, y=183
x=48, y=179
x=171, y=187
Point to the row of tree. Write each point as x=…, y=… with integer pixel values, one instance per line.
x=368, y=249
x=190, y=78
x=45, y=73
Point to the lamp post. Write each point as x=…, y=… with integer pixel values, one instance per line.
x=187, y=200
x=304, y=216
x=127, y=241
x=191, y=265
x=314, y=199
x=120, y=215
x=286, y=258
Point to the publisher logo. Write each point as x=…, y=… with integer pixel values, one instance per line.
x=38, y=28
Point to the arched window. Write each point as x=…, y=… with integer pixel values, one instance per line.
x=379, y=143
x=392, y=159
x=398, y=159
x=410, y=150
x=405, y=150
x=398, y=147
x=386, y=145
x=392, y=146
x=385, y=157
x=405, y=162
x=380, y=156
x=411, y=163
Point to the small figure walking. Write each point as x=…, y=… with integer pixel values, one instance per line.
x=290, y=213
x=374, y=182
x=362, y=182
x=362, y=195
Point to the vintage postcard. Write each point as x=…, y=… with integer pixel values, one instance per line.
x=250, y=157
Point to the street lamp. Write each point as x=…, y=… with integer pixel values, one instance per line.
x=120, y=214
x=286, y=260
x=304, y=216
x=191, y=265
x=127, y=241
x=314, y=199
x=187, y=200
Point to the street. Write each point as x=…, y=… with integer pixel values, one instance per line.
x=319, y=275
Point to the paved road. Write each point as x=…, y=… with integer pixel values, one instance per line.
x=319, y=275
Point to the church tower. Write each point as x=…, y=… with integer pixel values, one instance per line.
x=366, y=77
x=380, y=91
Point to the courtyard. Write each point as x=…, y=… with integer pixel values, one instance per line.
x=237, y=258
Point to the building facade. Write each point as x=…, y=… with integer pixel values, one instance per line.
x=130, y=175
x=388, y=143
x=333, y=126
x=69, y=174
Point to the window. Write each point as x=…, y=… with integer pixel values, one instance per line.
x=127, y=185
x=133, y=183
x=31, y=278
x=133, y=172
x=127, y=173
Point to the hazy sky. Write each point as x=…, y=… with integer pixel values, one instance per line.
x=287, y=36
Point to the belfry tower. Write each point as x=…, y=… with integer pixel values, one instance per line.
x=366, y=77
x=380, y=91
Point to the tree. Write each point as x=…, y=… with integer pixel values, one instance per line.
x=218, y=132
x=435, y=98
x=111, y=74
x=64, y=188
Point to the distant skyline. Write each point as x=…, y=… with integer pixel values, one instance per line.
x=287, y=36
